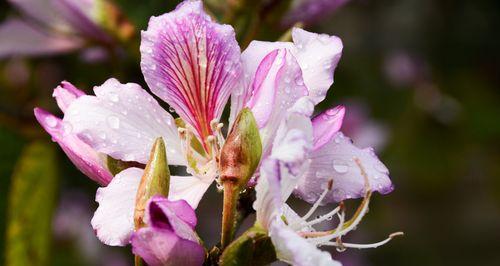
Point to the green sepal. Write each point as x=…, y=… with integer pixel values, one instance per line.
x=254, y=247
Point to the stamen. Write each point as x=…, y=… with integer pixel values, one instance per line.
x=323, y=217
x=316, y=204
x=213, y=124
x=321, y=237
x=362, y=246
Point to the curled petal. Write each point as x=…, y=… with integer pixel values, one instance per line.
x=318, y=56
x=162, y=211
x=82, y=155
x=65, y=94
x=339, y=160
x=327, y=124
x=288, y=87
x=169, y=238
x=113, y=221
x=188, y=188
x=192, y=63
x=163, y=247
x=123, y=121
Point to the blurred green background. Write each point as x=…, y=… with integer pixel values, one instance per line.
x=421, y=81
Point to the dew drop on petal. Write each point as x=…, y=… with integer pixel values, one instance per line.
x=340, y=166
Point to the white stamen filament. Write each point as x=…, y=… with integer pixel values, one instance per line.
x=322, y=217
x=362, y=246
x=316, y=205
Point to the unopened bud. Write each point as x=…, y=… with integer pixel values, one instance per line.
x=242, y=150
x=154, y=181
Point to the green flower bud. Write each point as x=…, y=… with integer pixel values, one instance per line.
x=242, y=150
x=154, y=181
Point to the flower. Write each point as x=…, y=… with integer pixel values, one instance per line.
x=49, y=27
x=169, y=238
x=194, y=65
x=302, y=148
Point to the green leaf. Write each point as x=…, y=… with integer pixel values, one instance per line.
x=254, y=247
x=31, y=205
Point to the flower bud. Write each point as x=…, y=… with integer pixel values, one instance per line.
x=154, y=181
x=242, y=150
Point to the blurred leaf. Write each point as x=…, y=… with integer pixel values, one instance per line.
x=31, y=204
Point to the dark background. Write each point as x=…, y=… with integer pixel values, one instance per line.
x=424, y=73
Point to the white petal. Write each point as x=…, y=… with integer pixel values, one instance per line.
x=336, y=161
x=293, y=249
x=188, y=188
x=113, y=221
x=318, y=56
x=123, y=121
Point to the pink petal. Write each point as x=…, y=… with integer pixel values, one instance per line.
x=288, y=87
x=252, y=58
x=162, y=247
x=65, y=94
x=123, y=121
x=263, y=88
x=318, y=56
x=188, y=188
x=327, y=124
x=178, y=208
x=336, y=160
x=42, y=11
x=192, y=63
x=82, y=155
x=19, y=38
x=113, y=221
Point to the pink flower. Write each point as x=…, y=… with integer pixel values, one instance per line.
x=195, y=65
x=169, y=238
x=50, y=27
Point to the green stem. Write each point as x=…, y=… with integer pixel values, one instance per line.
x=228, y=213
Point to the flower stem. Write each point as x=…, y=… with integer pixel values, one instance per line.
x=229, y=212
x=137, y=261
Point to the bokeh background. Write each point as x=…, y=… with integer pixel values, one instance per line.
x=421, y=82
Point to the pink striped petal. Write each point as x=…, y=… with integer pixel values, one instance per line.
x=82, y=155
x=65, y=94
x=192, y=63
x=336, y=160
x=326, y=124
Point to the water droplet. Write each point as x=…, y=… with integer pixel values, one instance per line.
x=340, y=166
x=114, y=122
x=171, y=109
x=51, y=121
